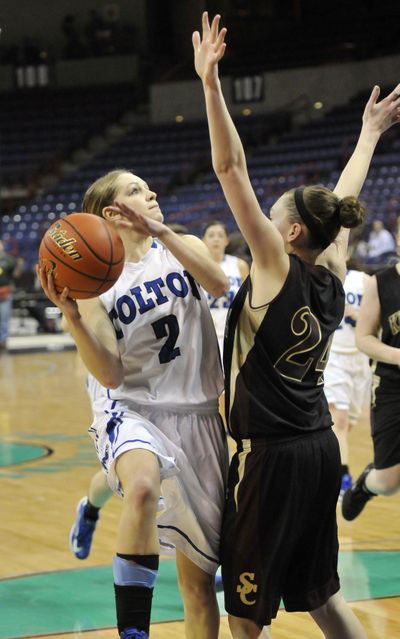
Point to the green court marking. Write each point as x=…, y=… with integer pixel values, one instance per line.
x=15, y=456
x=83, y=599
x=74, y=600
x=12, y=453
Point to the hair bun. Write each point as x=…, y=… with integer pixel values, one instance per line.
x=351, y=212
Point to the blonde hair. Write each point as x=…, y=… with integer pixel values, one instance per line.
x=102, y=192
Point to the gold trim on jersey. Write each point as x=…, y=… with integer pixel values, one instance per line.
x=249, y=321
x=242, y=456
x=394, y=322
x=376, y=380
x=374, y=364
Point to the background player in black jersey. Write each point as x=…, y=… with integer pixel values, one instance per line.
x=380, y=316
x=279, y=537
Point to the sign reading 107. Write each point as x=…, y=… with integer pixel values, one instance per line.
x=248, y=88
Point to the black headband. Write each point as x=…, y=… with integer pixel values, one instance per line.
x=316, y=231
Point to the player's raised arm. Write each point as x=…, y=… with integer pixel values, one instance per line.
x=191, y=252
x=376, y=119
x=265, y=242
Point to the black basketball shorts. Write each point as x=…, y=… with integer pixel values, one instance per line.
x=279, y=536
x=385, y=427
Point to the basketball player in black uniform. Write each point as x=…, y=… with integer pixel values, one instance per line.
x=380, y=315
x=279, y=537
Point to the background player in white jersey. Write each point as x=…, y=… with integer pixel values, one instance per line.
x=151, y=344
x=347, y=375
x=88, y=508
x=215, y=237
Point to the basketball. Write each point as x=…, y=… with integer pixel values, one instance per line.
x=82, y=252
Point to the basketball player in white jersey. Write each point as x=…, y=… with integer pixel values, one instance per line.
x=215, y=237
x=151, y=344
x=348, y=374
x=99, y=492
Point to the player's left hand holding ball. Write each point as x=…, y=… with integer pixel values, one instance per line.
x=67, y=305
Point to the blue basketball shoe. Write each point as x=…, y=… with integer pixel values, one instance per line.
x=81, y=533
x=133, y=633
x=219, y=586
x=347, y=482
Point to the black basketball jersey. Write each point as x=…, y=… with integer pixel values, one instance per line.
x=275, y=355
x=388, y=282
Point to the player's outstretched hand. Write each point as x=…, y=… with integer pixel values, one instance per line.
x=380, y=116
x=67, y=305
x=131, y=219
x=208, y=48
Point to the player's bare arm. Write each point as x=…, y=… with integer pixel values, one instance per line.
x=188, y=249
x=195, y=257
x=368, y=326
x=376, y=119
x=228, y=156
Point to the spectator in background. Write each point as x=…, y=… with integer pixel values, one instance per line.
x=10, y=268
x=73, y=44
x=99, y=34
x=381, y=243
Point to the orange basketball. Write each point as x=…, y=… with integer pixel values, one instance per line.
x=83, y=252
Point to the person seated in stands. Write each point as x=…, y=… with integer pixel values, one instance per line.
x=381, y=243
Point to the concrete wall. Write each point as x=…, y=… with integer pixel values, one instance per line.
x=332, y=84
x=82, y=73
x=41, y=19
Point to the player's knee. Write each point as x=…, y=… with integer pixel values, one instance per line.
x=197, y=593
x=141, y=494
x=389, y=483
x=332, y=607
x=242, y=628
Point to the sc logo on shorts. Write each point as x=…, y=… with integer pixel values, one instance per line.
x=246, y=587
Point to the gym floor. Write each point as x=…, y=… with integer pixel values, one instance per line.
x=46, y=461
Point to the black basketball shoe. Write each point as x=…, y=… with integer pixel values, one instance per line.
x=355, y=498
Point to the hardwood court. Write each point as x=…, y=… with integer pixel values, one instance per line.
x=44, y=406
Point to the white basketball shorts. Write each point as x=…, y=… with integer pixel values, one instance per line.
x=348, y=382
x=193, y=456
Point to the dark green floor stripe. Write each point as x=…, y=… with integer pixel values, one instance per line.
x=14, y=453
x=75, y=600
x=83, y=599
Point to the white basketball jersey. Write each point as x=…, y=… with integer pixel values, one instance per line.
x=219, y=305
x=344, y=339
x=165, y=334
x=94, y=388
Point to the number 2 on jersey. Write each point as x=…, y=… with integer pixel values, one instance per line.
x=167, y=327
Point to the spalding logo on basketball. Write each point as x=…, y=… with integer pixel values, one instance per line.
x=83, y=252
x=59, y=235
